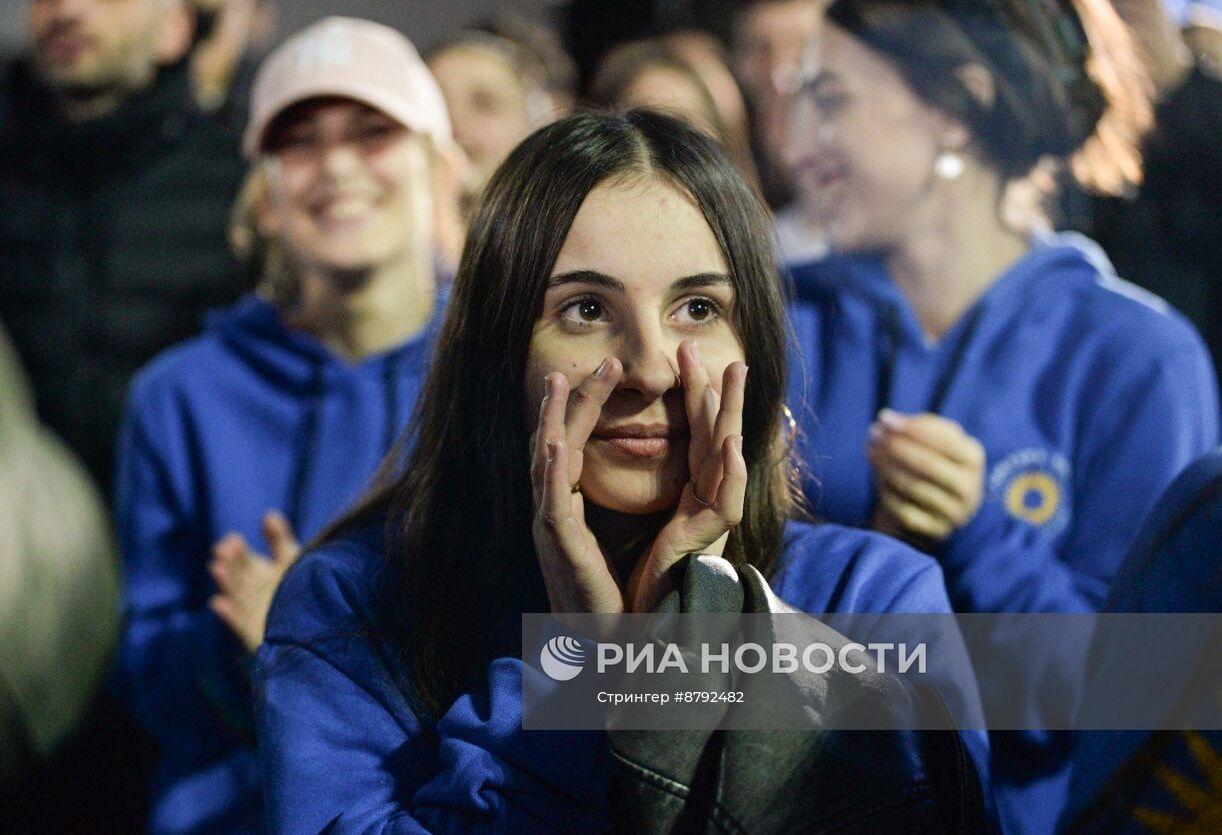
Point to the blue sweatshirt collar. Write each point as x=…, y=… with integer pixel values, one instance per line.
x=1052, y=255
x=305, y=369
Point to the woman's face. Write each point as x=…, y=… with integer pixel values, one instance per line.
x=863, y=146
x=487, y=102
x=350, y=188
x=639, y=273
x=665, y=89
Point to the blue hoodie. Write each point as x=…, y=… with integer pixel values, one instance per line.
x=343, y=750
x=246, y=418
x=1128, y=783
x=1088, y=395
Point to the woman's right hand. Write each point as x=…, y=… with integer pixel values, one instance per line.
x=575, y=571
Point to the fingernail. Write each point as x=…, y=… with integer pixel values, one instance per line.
x=551, y=451
x=892, y=420
x=876, y=432
x=696, y=352
x=737, y=442
x=603, y=366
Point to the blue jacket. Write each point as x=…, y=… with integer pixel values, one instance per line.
x=1127, y=782
x=344, y=752
x=246, y=418
x=1088, y=395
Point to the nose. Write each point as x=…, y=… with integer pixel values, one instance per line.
x=807, y=133
x=339, y=159
x=650, y=362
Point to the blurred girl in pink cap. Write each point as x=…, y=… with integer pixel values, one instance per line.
x=258, y=432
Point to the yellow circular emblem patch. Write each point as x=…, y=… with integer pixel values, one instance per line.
x=1033, y=497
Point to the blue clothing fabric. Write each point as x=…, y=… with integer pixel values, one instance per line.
x=344, y=752
x=1129, y=783
x=1088, y=395
x=247, y=417
x=1179, y=11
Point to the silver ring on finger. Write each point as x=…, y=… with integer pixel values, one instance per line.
x=696, y=496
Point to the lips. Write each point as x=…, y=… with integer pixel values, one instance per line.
x=344, y=210
x=641, y=440
x=832, y=178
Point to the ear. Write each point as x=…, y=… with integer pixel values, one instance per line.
x=175, y=29
x=979, y=83
x=258, y=191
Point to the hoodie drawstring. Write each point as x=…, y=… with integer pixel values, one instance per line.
x=303, y=456
x=888, y=352
x=938, y=399
x=390, y=388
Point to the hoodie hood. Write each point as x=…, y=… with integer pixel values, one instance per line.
x=1063, y=258
x=304, y=370
x=291, y=360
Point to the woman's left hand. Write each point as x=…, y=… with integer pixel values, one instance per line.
x=929, y=474
x=712, y=500
x=247, y=581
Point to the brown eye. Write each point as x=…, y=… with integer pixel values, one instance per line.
x=584, y=312
x=699, y=310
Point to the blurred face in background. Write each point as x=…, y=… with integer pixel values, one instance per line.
x=670, y=91
x=770, y=39
x=94, y=48
x=863, y=147
x=490, y=105
x=349, y=188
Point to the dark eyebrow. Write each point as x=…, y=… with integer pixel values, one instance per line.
x=693, y=282
x=587, y=277
x=689, y=282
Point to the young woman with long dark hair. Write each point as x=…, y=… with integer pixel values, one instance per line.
x=589, y=420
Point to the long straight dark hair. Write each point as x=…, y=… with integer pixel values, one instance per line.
x=458, y=514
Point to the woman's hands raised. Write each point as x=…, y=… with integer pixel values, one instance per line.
x=929, y=474
x=712, y=500
x=247, y=581
x=576, y=573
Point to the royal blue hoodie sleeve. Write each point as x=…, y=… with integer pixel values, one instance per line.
x=333, y=757
x=1142, y=431
x=1149, y=420
x=342, y=750
x=178, y=669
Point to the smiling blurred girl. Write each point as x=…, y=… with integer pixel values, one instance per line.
x=266, y=426
x=993, y=395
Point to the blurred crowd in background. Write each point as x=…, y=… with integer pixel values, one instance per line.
x=128, y=212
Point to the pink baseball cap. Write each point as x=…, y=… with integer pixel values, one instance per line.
x=353, y=58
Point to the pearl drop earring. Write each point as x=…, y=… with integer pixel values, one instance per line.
x=948, y=165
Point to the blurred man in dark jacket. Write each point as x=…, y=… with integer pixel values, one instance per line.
x=114, y=194
x=1166, y=236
